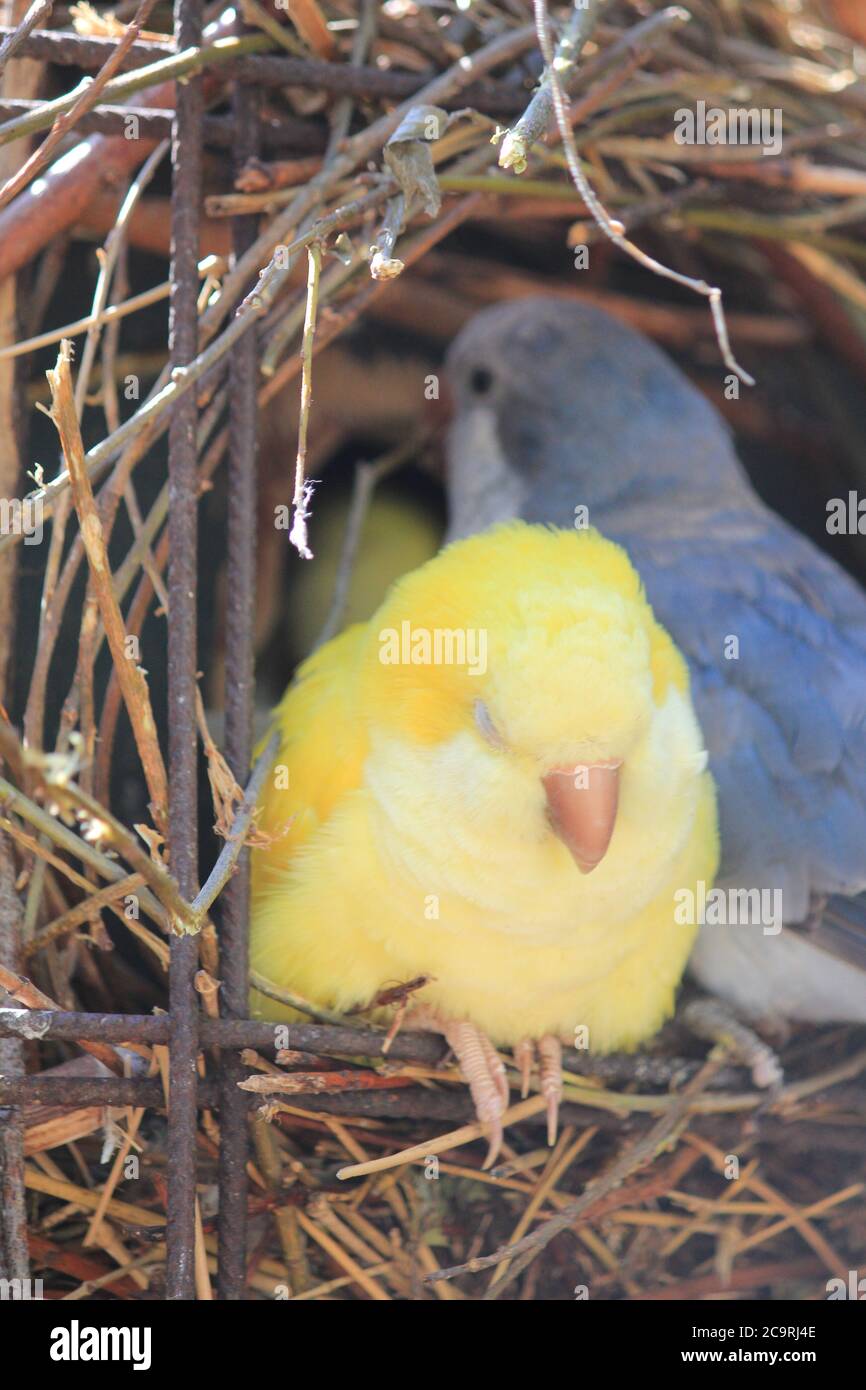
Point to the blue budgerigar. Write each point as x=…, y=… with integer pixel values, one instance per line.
x=563, y=414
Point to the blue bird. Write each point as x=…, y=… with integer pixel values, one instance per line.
x=565, y=415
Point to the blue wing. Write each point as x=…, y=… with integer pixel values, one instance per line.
x=775, y=635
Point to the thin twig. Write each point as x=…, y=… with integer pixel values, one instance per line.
x=91, y=90
x=39, y=11
x=536, y=118
x=643, y=1151
x=615, y=230
x=131, y=677
x=221, y=871
x=116, y=91
x=303, y=488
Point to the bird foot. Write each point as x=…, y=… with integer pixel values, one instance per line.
x=550, y=1075
x=482, y=1067
x=716, y=1022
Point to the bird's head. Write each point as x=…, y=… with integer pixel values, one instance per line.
x=521, y=700
x=559, y=405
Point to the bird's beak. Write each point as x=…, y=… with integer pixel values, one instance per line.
x=581, y=803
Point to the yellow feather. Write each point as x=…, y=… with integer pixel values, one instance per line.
x=418, y=845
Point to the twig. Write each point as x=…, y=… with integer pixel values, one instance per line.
x=536, y=118
x=256, y=14
x=13, y=1215
x=129, y=674
x=275, y=274
x=112, y=314
x=82, y=912
x=304, y=489
x=14, y=800
x=39, y=10
x=115, y=242
x=92, y=89
x=340, y=318
x=176, y=66
x=310, y=24
x=614, y=230
x=643, y=1151
x=221, y=871
x=523, y=1110
x=359, y=148
x=294, y=1001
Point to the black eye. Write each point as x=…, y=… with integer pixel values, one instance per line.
x=480, y=381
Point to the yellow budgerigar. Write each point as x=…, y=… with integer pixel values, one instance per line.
x=499, y=783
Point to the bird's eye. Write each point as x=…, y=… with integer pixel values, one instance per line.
x=481, y=381
x=486, y=726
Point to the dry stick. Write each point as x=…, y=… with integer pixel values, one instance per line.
x=130, y=676
x=614, y=230
x=310, y=24
x=303, y=489
x=38, y=11
x=536, y=118
x=178, y=65
x=141, y=600
x=125, y=843
x=25, y=992
x=219, y=874
x=523, y=1110
x=92, y=88
x=114, y=244
x=287, y=326
x=112, y=314
x=73, y=844
x=254, y=13
x=341, y=116
x=357, y=149
x=79, y=701
x=153, y=414
x=274, y=276
x=290, y=322
x=342, y=315
x=643, y=1151
x=13, y=1220
x=294, y=1001
x=79, y=914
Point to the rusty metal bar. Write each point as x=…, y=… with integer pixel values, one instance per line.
x=154, y=123
x=80, y=51
x=399, y=1103
x=76, y=1092
x=182, y=659
x=13, y=1216
x=277, y=70
x=240, y=628
x=327, y=1039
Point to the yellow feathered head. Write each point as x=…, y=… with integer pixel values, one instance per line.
x=539, y=647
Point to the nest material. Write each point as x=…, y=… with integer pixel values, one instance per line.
x=637, y=1198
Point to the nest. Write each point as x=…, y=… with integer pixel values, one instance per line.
x=395, y=168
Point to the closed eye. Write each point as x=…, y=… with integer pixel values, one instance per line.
x=486, y=726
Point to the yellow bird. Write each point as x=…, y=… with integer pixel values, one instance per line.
x=497, y=782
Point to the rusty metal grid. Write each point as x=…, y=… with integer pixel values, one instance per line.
x=181, y=1028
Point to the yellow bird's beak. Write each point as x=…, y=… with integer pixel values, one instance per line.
x=581, y=804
